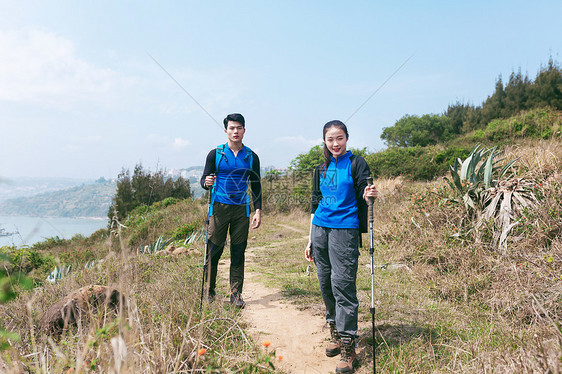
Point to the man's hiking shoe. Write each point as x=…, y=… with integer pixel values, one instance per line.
x=333, y=347
x=348, y=360
x=237, y=301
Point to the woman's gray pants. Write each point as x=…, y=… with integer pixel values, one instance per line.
x=336, y=255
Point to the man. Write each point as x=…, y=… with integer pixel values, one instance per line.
x=228, y=170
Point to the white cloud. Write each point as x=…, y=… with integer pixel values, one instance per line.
x=166, y=142
x=180, y=143
x=41, y=66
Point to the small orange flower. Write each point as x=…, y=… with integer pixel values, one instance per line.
x=267, y=343
x=280, y=358
x=201, y=352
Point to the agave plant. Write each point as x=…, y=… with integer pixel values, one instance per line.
x=196, y=235
x=90, y=264
x=487, y=193
x=476, y=174
x=157, y=246
x=504, y=203
x=58, y=273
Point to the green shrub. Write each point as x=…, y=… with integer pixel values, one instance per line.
x=166, y=202
x=184, y=231
x=26, y=260
x=98, y=235
x=49, y=243
x=540, y=123
x=417, y=163
x=174, y=217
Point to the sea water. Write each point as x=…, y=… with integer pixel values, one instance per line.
x=30, y=230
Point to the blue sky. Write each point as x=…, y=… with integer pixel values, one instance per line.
x=81, y=97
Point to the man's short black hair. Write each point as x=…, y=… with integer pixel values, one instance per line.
x=235, y=117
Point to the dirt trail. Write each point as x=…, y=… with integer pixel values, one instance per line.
x=299, y=337
x=296, y=335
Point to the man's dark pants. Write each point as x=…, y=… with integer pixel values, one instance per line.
x=227, y=218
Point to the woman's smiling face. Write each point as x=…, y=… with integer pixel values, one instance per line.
x=336, y=141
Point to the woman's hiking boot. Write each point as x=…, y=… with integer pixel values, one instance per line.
x=333, y=347
x=348, y=359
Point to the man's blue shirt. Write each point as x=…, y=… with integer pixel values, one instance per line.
x=232, y=177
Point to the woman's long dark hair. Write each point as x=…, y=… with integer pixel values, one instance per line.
x=327, y=154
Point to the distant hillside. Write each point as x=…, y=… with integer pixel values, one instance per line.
x=89, y=200
x=12, y=188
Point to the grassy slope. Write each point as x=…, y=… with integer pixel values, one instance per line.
x=455, y=305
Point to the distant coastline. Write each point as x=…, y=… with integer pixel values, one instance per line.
x=86, y=200
x=32, y=229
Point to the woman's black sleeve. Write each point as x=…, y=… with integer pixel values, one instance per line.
x=316, y=193
x=209, y=167
x=255, y=181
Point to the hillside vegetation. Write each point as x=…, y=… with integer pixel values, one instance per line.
x=467, y=253
x=448, y=298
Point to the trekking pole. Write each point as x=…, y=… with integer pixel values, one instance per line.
x=207, y=258
x=371, y=251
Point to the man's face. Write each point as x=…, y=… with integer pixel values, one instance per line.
x=235, y=131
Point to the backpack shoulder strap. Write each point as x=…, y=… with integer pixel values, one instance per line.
x=361, y=204
x=250, y=154
x=219, y=156
x=353, y=160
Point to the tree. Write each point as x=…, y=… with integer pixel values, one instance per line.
x=411, y=131
x=547, y=90
x=145, y=188
x=494, y=105
x=123, y=201
x=516, y=94
x=459, y=116
x=306, y=162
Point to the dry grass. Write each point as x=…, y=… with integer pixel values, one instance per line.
x=389, y=186
x=539, y=159
x=161, y=328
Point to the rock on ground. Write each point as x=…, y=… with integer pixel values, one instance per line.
x=77, y=305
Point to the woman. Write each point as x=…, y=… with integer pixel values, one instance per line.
x=339, y=185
